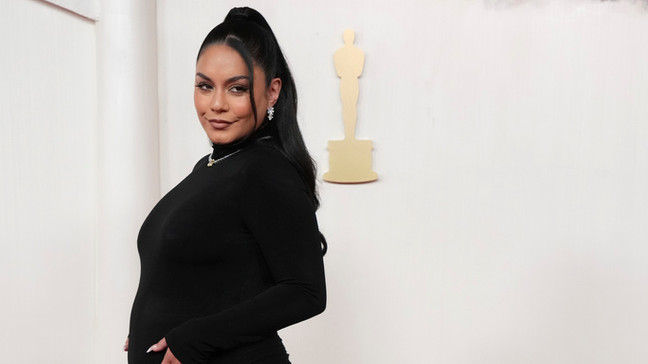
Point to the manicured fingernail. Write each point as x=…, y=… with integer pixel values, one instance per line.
x=151, y=349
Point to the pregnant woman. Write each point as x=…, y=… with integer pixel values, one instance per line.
x=233, y=253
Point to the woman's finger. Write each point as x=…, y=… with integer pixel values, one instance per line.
x=126, y=345
x=169, y=358
x=161, y=345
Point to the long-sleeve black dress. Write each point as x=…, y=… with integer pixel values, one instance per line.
x=228, y=257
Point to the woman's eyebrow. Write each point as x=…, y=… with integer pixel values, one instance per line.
x=236, y=78
x=203, y=76
x=231, y=79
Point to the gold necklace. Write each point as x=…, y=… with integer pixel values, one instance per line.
x=211, y=161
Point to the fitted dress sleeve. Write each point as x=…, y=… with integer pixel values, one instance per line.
x=279, y=213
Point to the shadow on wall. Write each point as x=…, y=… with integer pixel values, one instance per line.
x=89, y=9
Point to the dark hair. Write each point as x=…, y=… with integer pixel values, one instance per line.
x=247, y=32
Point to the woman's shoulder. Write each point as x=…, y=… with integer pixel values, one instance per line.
x=264, y=151
x=265, y=161
x=201, y=161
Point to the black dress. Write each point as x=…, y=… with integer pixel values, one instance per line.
x=228, y=257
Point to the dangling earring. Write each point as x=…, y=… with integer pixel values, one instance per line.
x=270, y=112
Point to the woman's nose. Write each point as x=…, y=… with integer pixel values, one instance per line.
x=218, y=101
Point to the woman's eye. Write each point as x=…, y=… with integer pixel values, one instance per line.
x=238, y=89
x=203, y=86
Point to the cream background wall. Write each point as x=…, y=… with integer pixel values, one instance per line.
x=87, y=8
x=511, y=142
x=79, y=174
x=48, y=194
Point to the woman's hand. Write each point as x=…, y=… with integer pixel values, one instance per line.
x=169, y=358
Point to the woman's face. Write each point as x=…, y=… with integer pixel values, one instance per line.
x=222, y=94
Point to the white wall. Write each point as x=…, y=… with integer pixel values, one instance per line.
x=47, y=186
x=80, y=172
x=511, y=143
x=128, y=178
x=507, y=225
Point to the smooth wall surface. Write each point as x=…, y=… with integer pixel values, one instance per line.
x=80, y=172
x=48, y=195
x=507, y=224
x=511, y=143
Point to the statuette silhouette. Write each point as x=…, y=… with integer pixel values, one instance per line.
x=350, y=158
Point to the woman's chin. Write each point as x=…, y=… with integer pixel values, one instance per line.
x=226, y=137
x=223, y=139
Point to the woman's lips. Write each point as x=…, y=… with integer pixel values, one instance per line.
x=219, y=124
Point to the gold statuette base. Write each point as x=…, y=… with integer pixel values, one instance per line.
x=350, y=161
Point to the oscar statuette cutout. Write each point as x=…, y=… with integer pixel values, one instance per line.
x=350, y=158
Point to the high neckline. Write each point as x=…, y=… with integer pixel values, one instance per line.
x=221, y=150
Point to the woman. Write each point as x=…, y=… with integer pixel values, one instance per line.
x=232, y=254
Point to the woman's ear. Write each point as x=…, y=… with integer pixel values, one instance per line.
x=273, y=91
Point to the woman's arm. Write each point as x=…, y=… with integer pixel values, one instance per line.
x=280, y=214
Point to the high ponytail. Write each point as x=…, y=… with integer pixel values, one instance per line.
x=246, y=31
